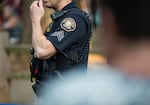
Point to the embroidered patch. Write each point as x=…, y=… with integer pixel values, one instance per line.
x=59, y=34
x=68, y=24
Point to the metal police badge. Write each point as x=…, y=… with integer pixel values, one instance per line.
x=68, y=24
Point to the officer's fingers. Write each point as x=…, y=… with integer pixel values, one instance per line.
x=34, y=4
x=31, y=6
x=37, y=3
x=40, y=3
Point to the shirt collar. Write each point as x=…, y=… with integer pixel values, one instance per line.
x=70, y=6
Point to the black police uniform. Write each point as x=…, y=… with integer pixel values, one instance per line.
x=70, y=33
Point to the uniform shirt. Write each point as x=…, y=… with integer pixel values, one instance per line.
x=69, y=33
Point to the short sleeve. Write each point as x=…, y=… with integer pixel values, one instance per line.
x=70, y=30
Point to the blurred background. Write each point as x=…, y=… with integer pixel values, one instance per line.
x=15, y=42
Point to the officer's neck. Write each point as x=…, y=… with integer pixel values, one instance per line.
x=62, y=4
x=133, y=59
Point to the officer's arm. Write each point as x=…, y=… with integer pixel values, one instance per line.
x=11, y=23
x=43, y=48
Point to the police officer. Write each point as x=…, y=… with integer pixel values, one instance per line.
x=65, y=44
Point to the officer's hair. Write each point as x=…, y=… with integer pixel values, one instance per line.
x=132, y=17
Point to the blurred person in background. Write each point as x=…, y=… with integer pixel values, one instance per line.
x=94, y=8
x=12, y=24
x=95, y=13
x=1, y=14
x=126, y=78
x=1, y=19
x=127, y=35
x=17, y=5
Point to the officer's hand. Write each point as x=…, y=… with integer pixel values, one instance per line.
x=36, y=10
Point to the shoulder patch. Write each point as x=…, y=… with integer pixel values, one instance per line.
x=68, y=24
x=59, y=34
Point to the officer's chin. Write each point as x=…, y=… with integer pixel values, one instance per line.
x=50, y=7
x=47, y=6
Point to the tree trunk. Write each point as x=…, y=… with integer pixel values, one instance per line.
x=26, y=22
